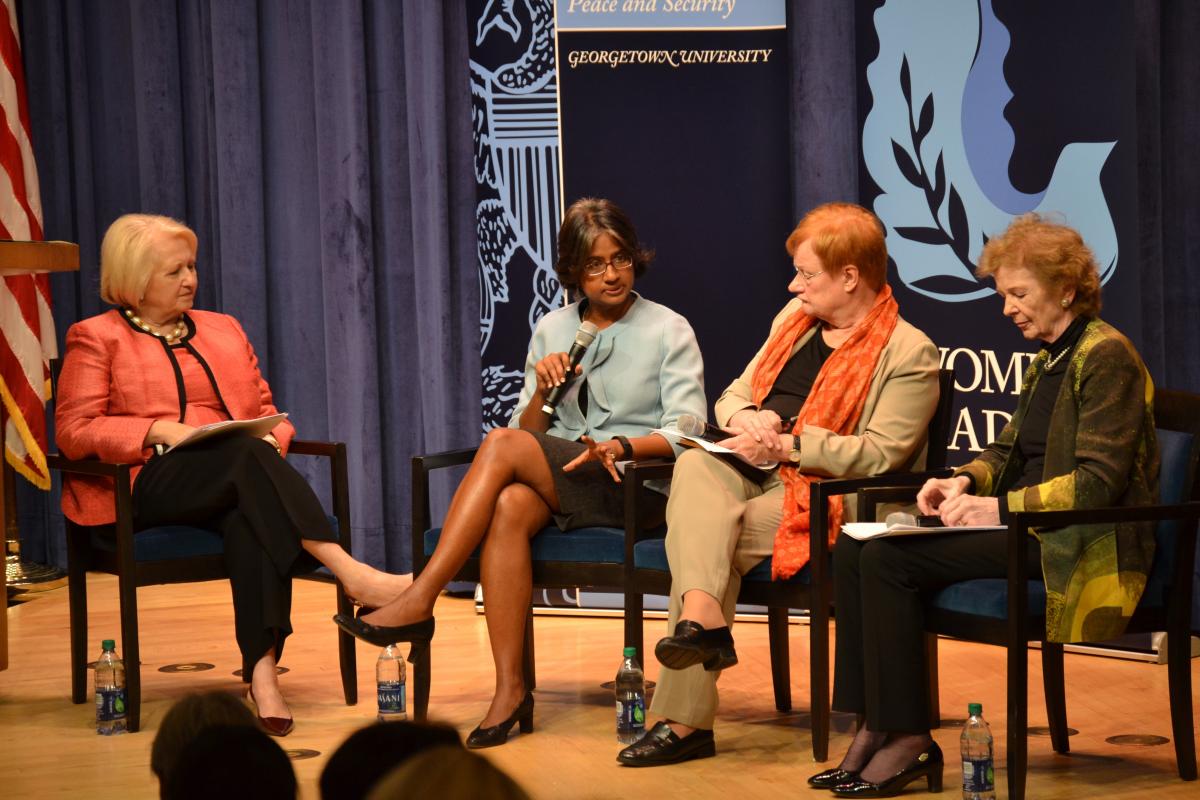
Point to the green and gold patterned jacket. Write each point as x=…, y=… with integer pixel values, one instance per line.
x=1102, y=451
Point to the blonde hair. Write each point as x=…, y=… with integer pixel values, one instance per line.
x=842, y=234
x=448, y=773
x=127, y=255
x=1055, y=254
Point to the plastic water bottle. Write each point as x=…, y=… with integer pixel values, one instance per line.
x=389, y=684
x=110, y=691
x=631, y=699
x=979, y=777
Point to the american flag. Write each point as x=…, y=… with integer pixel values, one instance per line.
x=26, y=327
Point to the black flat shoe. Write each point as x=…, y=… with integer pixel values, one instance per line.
x=661, y=745
x=928, y=765
x=693, y=644
x=498, y=734
x=419, y=633
x=831, y=778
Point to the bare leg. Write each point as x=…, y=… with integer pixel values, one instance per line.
x=507, y=583
x=264, y=681
x=702, y=608
x=363, y=582
x=508, y=456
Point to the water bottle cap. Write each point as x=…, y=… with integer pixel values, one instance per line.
x=630, y=652
x=108, y=644
x=974, y=709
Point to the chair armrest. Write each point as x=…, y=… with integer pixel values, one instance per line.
x=339, y=479
x=649, y=469
x=86, y=466
x=309, y=447
x=422, y=465
x=448, y=458
x=122, y=498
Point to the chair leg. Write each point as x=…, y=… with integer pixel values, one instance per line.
x=77, y=602
x=781, y=664
x=1179, y=682
x=421, y=678
x=347, y=654
x=931, y=672
x=127, y=589
x=528, y=669
x=818, y=677
x=1054, y=685
x=634, y=636
x=1018, y=720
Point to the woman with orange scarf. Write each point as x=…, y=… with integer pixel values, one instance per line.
x=857, y=386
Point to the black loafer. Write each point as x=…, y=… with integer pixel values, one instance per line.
x=693, y=644
x=661, y=745
x=831, y=778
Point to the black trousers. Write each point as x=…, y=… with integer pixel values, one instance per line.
x=880, y=590
x=241, y=488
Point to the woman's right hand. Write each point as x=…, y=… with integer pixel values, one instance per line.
x=167, y=432
x=762, y=426
x=552, y=371
x=938, y=490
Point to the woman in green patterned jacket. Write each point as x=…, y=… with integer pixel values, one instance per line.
x=1082, y=437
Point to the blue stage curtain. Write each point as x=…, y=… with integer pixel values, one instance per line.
x=322, y=152
x=1169, y=189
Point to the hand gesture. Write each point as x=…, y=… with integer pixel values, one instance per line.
x=763, y=426
x=604, y=452
x=755, y=451
x=553, y=370
x=167, y=432
x=938, y=490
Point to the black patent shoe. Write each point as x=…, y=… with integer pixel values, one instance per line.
x=661, y=745
x=928, y=765
x=831, y=778
x=498, y=734
x=419, y=633
x=693, y=644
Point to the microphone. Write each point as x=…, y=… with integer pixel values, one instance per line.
x=583, y=337
x=692, y=425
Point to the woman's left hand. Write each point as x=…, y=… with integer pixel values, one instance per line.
x=606, y=453
x=967, y=509
x=756, y=452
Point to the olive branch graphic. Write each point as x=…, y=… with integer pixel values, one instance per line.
x=917, y=173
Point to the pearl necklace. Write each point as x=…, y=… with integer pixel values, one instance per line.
x=1051, y=363
x=179, y=330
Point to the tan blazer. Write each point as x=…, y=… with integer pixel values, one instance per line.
x=890, y=435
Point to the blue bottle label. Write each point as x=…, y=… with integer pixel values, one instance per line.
x=391, y=698
x=110, y=705
x=631, y=713
x=978, y=775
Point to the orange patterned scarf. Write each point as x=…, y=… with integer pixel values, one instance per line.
x=835, y=403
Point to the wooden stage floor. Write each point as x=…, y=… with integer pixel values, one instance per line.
x=49, y=749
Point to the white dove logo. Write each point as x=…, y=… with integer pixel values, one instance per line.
x=938, y=146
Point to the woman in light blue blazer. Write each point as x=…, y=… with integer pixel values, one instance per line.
x=642, y=371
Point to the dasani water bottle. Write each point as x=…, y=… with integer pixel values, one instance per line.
x=979, y=777
x=110, y=691
x=389, y=684
x=631, y=699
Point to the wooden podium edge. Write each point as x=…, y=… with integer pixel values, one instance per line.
x=18, y=257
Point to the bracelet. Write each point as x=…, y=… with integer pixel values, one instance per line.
x=626, y=447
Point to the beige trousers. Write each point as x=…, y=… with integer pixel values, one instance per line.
x=720, y=526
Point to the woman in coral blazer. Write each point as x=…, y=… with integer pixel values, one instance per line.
x=138, y=379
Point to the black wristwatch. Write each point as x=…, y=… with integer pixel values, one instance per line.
x=626, y=447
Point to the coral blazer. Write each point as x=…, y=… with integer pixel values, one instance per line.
x=118, y=380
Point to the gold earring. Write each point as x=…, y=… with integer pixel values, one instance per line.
x=1065, y=302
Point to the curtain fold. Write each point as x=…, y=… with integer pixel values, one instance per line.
x=314, y=148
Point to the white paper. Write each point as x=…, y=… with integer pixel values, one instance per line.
x=877, y=530
x=257, y=428
x=674, y=435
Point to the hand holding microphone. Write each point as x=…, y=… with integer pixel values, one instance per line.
x=558, y=375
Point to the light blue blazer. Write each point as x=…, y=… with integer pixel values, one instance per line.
x=643, y=372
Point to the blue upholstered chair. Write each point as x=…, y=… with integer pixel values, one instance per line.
x=995, y=611
x=811, y=588
x=582, y=558
x=170, y=554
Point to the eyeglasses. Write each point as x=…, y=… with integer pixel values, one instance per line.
x=808, y=276
x=595, y=267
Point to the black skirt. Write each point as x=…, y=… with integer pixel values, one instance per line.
x=588, y=496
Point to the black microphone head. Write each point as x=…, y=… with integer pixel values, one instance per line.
x=586, y=333
x=690, y=425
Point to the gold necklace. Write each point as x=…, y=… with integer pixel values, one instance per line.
x=179, y=330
